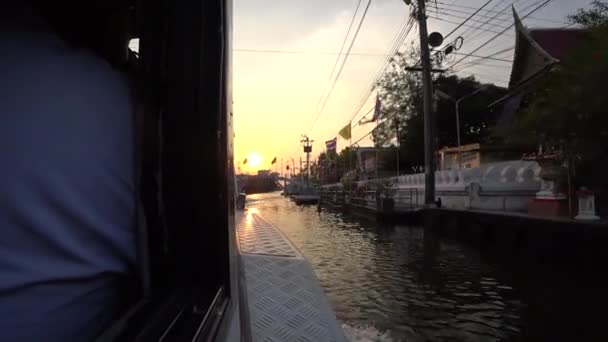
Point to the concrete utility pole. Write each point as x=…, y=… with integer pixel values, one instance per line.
x=429, y=119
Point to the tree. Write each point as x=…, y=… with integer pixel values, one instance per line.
x=332, y=165
x=567, y=109
x=402, y=106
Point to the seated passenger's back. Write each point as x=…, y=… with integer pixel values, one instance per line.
x=67, y=203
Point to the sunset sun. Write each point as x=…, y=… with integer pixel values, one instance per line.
x=254, y=159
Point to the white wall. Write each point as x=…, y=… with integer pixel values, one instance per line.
x=504, y=186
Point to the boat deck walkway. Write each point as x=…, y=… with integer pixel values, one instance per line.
x=284, y=298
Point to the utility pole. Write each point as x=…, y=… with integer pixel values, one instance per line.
x=398, y=144
x=429, y=120
x=307, y=143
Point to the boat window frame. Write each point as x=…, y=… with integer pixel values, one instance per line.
x=187, y=174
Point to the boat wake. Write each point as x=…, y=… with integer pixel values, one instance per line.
x=365, y=334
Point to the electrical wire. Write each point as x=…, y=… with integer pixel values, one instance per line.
x=479, y=34
x=467, y=19
x=331, y=74
x=292, y=52
x=481, y=27
x=488, y=57
x=503, y=66
x=387, y=119
x=492, y=11
x=369, y=2
x=545, y=3
x=456, y=23
x=397, y=42
x=464, y=15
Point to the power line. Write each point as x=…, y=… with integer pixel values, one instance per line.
x=482, y=64
x=331, y=74
x=290, y=52
x=469, y=18
x=492, y=11
x=397, y=42
x=488, y=20
x=459, y=15
x=532, y=4
x=387, y=119
x=476, y=30
x=369, y=2
x=489, y=77
x=489, y=57
x=497, y=35
x=456, y=23
x=469, y=27
x=464, y=14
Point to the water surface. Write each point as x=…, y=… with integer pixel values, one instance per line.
x=406, y=285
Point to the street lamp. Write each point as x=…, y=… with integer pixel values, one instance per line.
x=457, y=105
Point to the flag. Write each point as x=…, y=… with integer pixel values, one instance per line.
x=245, y=161
x=345, y=132
x=330, y=145
x=377, y=109
x=274, y=160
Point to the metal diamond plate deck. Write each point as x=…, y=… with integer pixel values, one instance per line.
x=257, y=236
x=285, y=299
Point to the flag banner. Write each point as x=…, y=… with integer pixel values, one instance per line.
x=345, y=132
x=332, y=144
x=365, y=122
x=377, y=109
x=274, y=160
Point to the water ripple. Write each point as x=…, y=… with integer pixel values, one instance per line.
x=395, y=283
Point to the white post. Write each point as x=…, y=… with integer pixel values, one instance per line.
x=586, y=205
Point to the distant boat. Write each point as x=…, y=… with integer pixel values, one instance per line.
x=306, y=199
x=304, y=193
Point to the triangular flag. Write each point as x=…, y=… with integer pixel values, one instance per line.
x=377, y=109
x=345, y=132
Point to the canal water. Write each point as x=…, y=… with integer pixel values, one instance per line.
x=396, y=283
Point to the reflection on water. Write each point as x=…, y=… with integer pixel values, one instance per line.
x=401, y=283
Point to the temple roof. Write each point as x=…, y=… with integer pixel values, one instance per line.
x=537, y=51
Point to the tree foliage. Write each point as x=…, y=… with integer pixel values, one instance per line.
x=567, y=110
x=402, y=110
x=333, y=166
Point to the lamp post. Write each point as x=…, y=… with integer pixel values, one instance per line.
x=457, y=110
x=457, y=106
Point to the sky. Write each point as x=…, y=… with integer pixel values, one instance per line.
x=284, y=52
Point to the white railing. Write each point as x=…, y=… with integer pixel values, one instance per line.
x=506, y=186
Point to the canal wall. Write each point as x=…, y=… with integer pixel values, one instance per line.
x=515, y=237
x=504, y=186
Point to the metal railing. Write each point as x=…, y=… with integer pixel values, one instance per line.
x=363, y=199
x=404, y=199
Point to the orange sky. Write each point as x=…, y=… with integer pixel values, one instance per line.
x=275, y=94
